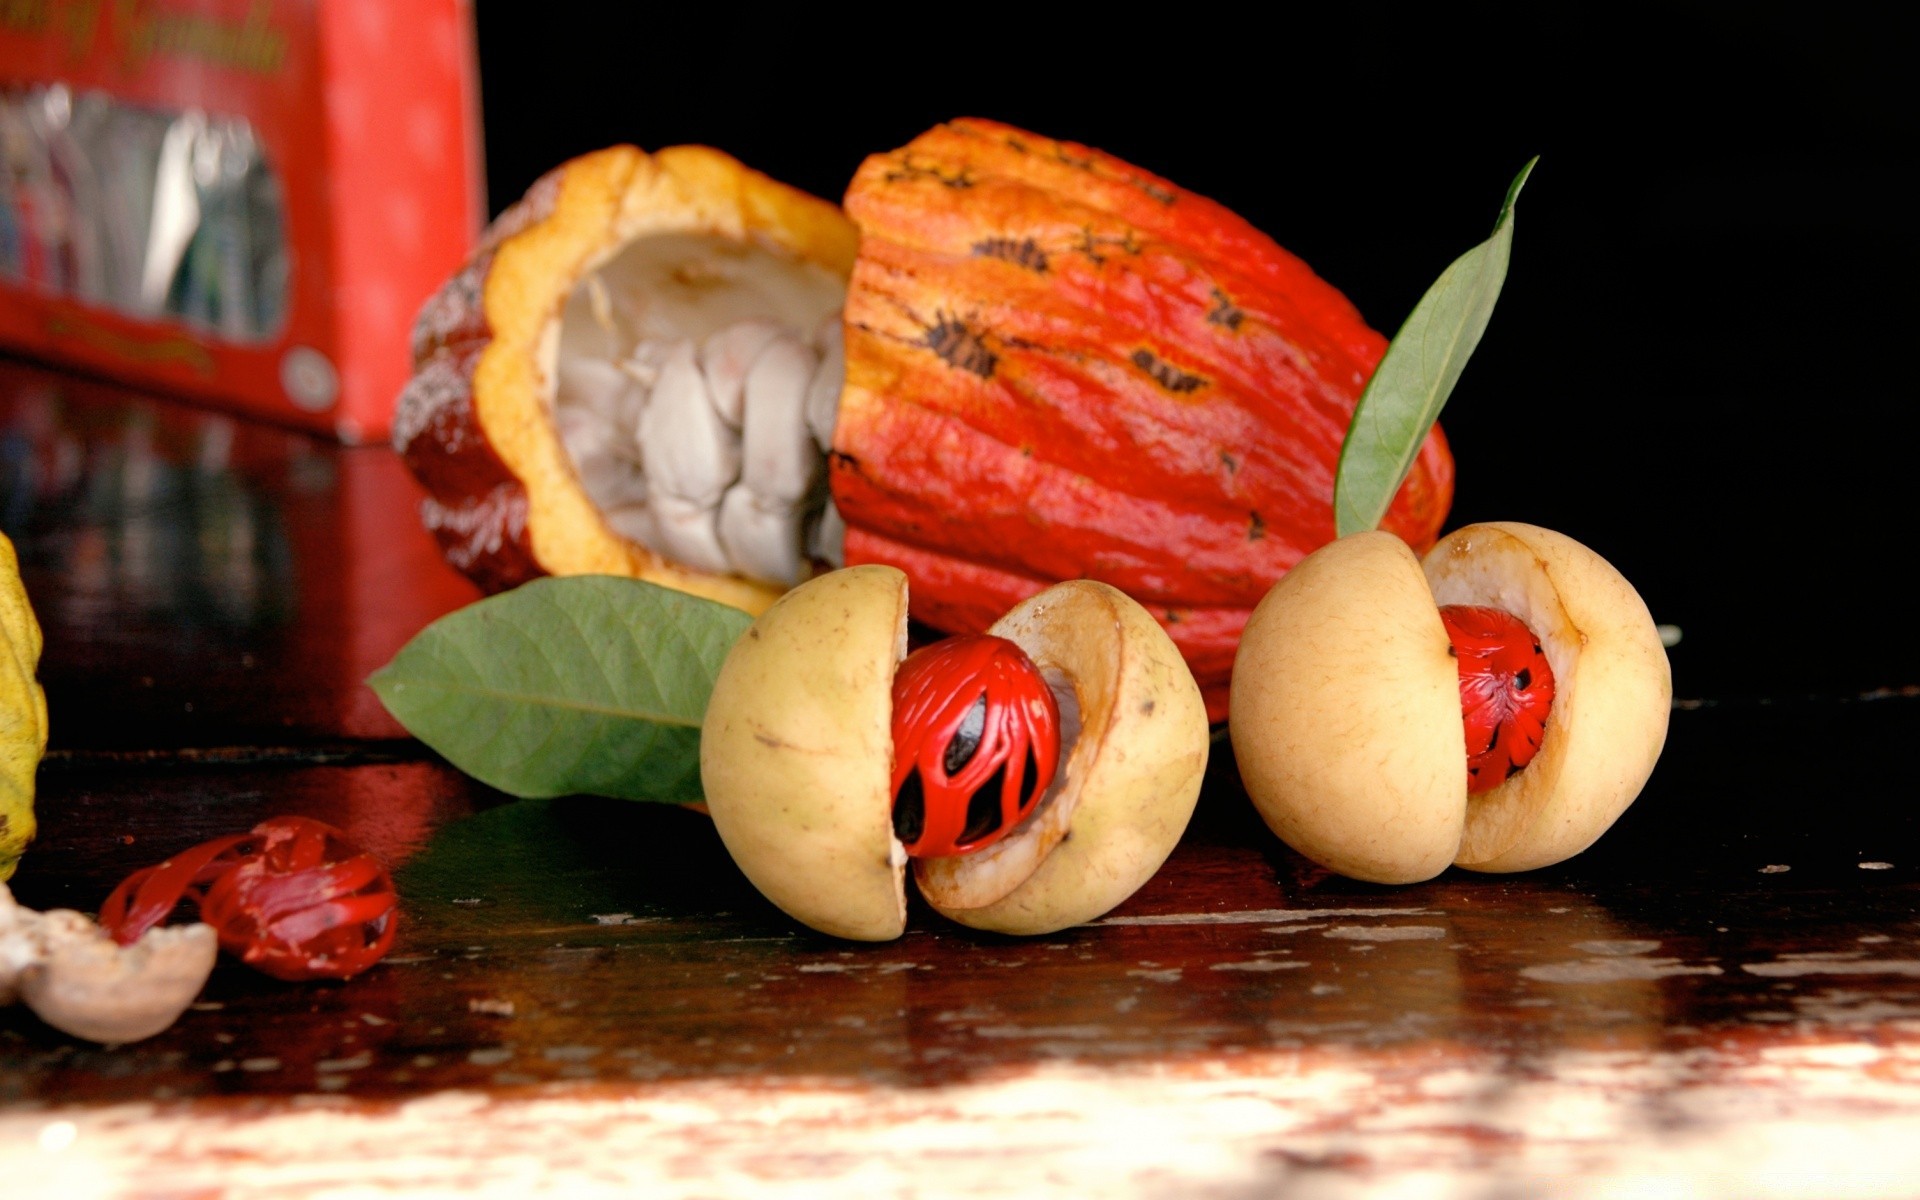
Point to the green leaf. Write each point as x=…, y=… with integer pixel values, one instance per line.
x=582, y=684
x=1414, y=379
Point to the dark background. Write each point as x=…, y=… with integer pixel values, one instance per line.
x=1700, y=363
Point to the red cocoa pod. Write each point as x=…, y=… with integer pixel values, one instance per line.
x=1062, y=366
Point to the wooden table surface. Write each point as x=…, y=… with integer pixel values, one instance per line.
x=1721, y=998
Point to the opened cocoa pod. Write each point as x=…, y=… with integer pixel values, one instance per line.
x=617, y=380
x=1041, y=364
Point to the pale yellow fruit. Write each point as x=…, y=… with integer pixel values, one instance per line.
x=796, y=753
x=23, y=712
x=1346, y=713
x=796, y=758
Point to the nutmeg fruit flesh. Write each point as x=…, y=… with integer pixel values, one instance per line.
x=796, y=758
x=1346, y=711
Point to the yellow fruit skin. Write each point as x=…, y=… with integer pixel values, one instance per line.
x=23, y=712
x=1346, y=714
x=796, y=753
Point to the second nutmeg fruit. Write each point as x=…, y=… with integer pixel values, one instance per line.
x=798, y=761
x=1368, y=748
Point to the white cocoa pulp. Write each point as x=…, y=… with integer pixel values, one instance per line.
x=695, y=389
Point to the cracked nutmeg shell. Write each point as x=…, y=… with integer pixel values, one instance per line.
x=617, y=380
x=1061, y=366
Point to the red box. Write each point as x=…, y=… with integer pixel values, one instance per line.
x=241, y=200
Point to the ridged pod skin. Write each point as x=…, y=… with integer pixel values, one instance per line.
x=23, y=712
x=796, y=758
x=1062, y=366
x=1346, y=719
x=474, y=423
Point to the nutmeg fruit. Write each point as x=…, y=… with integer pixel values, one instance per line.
x=796, y=758
x=1346, y=704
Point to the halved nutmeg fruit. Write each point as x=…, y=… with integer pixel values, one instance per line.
x=1496, y=707
x=636, y=373
x=823, y=758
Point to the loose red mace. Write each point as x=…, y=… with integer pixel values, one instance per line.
x=976, y=738
x=293, y=898
x=1506, y=691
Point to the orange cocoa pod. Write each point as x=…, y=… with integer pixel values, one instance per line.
x=1061, y=366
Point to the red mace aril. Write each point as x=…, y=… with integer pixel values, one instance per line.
x=976, y=739
x=1506, y=691
x=293, y=898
